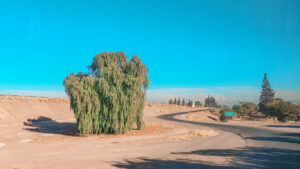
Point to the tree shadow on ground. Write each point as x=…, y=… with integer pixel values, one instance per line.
x=288, y=126
x=147, y=163
x=276, y=139
x=212, y=118
x=255, y=157
x=248, y=158
x=291, y=134
x=48, y=126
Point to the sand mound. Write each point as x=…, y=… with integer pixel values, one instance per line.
x=17, y=109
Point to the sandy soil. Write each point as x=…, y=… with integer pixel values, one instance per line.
x=41, y=133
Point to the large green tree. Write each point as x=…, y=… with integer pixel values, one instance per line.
x=110, y=98
x=183, y=102
x=210, y=101
x=178, y=101
x=267, y=96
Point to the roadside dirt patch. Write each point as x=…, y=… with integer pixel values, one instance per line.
x=205, y=116
x=2, y=145
x=177, y=135
x=151, y=129
x=192, y=134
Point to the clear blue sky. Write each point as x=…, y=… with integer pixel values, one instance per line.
x=185, y=43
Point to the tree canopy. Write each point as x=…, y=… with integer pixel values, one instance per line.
x=110, y=98
x=198, y=103
x=267, y=95
x=210, y=101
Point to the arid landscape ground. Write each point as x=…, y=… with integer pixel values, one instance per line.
x=41, y=133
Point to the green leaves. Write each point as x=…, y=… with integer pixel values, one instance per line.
x=110, y=99
x=210, y=101
x=267, y=95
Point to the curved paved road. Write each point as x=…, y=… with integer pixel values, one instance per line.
x=265, y=148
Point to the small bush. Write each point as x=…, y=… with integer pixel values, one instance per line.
x=245, y=108
x=222, y=113
x=283, y=110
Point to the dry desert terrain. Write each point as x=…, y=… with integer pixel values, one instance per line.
x=41, y=133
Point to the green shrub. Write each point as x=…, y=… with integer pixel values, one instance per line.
x=245, y=108
x=283, y=110
x=222, y=113
x=198, y=103
x=110, y=98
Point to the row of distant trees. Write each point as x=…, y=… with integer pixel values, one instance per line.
x=210, y=101
x=182, y=102
x=268, y=106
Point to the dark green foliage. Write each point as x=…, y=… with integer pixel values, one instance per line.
x=283, y=110
x=178, y=101
x=183, y=103
x=222, y=113
x=170, y=101
x=110, y=99
x=240, y=111
x=245, y=108
x=190, y=103
x=210, y=101
x=175, y=101
x=198, y=103
x=266, y=97
x=296, y=116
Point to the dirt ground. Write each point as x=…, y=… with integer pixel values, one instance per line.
x=41, y=133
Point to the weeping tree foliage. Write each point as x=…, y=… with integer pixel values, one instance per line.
x=110, y=98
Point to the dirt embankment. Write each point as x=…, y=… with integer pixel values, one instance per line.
x=17, y=109
x=42, y=133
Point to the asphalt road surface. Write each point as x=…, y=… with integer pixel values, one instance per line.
x=265, y=148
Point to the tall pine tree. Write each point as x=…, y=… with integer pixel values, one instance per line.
x=178, y=102
x=267, y=95
x=190, y=103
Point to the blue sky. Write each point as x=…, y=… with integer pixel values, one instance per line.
x=185, y=44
